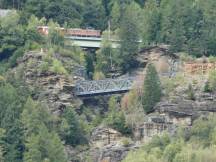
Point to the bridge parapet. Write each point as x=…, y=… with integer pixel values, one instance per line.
x=97, y=87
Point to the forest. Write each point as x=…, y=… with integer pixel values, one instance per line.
x=29, y=132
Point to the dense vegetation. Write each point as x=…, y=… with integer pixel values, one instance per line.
x=197, y=144
x=28, y=130
x=184, y=25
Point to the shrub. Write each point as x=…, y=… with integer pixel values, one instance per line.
x=212, y=59
x=207, y=87
x=126, y=142
x=73, y=52
x=44, y=67
x=2, y=78
x=185, y=57
x=57, y=67
x=190, y=92
x=13, y=59
x=169, y=85
x=199, y=148
x=212, y=80
x=70, y=128
x=115, y=118
x=98, y=75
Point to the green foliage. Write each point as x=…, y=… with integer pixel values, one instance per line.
x=90, y=65
x=98, y=75
x=194, y=155
x=62, y=12
x=206, y=87
x=151, y=23
x=203, y=130
x=94, y=14
x=126, y=141
x=200, y=146
x=71, y=130
x=44, y=146
x=55, y=37
x=10, y=109
x=151, y=89
x=51, y=64
x=170, y=84
x=105, y=57
x=185, y=57
x=1, y=155
x=57, y=67
x=34, y=115
x=212, y=80
x=129, y=36
x=190, y=92
x=33, y=37
x=17, y=54
x=115, y=15
x=2, y=134
x=212, y=59
x=185, y=25
x=74, y=52
x=188, y=26
x=42, y=142
x=115, y=117
x=12, y=35
x=171, y=150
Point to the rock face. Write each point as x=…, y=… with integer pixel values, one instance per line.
x=106, y=145
x=169, y=115
x=54, y=89
x=164, y=62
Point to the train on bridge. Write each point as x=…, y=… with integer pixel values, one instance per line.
x=74, y=32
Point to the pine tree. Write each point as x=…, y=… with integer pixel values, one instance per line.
x=2, y=131
x=151, y=23
x=34, y=115
x=72, y=132
x=129, y=36
x=42, y=142
x=151, y=89
x=44, y=146
x=103, y=56
x=1, y=155
x=10, y=109
x=116, y=118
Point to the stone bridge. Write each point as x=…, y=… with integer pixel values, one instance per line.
x=102, y=87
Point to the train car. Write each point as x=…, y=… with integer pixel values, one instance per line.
x=83, y=33
x=72, y=32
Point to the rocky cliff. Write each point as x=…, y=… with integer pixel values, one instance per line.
x=105, y=144
x=48, y=86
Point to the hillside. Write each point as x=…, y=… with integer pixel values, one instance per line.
x=107, y=81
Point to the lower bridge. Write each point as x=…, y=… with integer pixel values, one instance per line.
x=103, y=87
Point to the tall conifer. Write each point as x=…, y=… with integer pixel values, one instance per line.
x=151, y=89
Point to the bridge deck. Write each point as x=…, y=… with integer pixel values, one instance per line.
x=90, y=42
x=97, y=87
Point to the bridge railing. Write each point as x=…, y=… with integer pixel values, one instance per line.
x=103, y=86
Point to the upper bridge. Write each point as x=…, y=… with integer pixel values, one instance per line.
x=85, y=38
x=102, y=87
x=90, y=42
